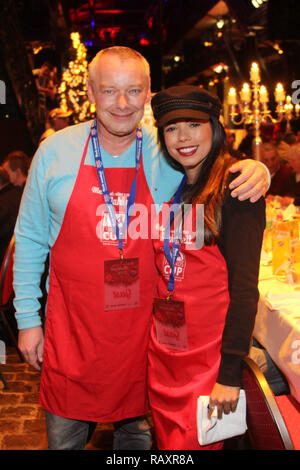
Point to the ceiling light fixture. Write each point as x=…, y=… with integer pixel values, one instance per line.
x=220, y=23
x=219, y=68
x=278, y=48
x=258, y=3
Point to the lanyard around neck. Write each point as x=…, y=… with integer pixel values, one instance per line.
x=172, y=257
x=104, y=187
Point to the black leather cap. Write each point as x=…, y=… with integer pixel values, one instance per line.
x=187, y=102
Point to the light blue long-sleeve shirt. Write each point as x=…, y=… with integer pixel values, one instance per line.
x=48, y=189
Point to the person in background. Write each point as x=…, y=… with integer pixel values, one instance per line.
x=278, y=138
x=10, y=197
x=46, y=82
x=292, y=183
x=290, y=138
x=278, y=168
x=58, y=119
x=272, y=373
x=94, y=363
x=230, y=141
x=246, y=145
x=204, y=312
x=17, y=164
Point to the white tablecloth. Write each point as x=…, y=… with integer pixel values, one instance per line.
x=277, y=325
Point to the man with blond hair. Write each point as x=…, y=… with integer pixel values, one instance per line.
x=101, y=283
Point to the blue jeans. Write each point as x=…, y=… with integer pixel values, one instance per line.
x=273, y=375
x=71, y=434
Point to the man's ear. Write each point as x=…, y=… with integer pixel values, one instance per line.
x=90, y=91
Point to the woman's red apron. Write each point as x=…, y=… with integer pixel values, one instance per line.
x=177, y=378
x=95, y=361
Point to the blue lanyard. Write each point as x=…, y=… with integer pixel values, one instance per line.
x=176, y=242
x=104, y=187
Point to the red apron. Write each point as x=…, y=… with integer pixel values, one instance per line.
x=95, y=361
x=177, y=378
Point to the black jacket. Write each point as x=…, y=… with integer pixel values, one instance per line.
x=10, y=197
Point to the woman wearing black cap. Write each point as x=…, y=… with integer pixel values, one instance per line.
x=207, y=296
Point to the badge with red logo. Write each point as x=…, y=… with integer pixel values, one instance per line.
x=121, y=284
x=179, y=267
x=170, y=323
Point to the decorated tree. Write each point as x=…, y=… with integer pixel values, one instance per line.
x=72, y=89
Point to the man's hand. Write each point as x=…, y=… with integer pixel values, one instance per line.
x=251, y=183
x=31, y=344
x=225, y=398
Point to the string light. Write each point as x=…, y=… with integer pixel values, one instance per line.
x=37, y=49
x=258, y=3
x=220, y=23
x=72, y=89
x=148, y=117
x=278, y=48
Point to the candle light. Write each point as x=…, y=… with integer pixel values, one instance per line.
x=288, y=100
x=254, y=72
x=288, y=104
x=232, y=96
x=245, y=93
x=263, y=94
x=279, y=93
x=297, y=109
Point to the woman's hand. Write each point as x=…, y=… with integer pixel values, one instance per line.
x=225, y=398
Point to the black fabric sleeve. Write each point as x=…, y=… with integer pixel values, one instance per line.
x=240, y=242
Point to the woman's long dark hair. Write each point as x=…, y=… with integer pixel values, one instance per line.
x=209, y=187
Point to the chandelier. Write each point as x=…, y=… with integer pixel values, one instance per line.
x=252, y=106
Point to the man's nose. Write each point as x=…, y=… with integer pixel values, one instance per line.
x=122, y=101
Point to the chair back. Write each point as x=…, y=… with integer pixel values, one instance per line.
x=266, y=427
x=6, y=274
